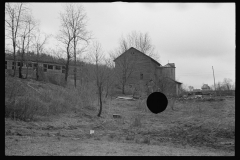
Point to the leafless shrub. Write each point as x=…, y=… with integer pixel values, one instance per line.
x=25, y=100
x=24, y=108
x=87, y=96
x=13, y=88
x=56, y=107
x=56, y=79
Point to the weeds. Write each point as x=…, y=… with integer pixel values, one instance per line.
x=24, y=108
x=56, y=79
x=24, y=100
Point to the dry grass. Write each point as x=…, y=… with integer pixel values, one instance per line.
x=56, y=79
x=193, y=123
x=24, y=99
x=137, y=121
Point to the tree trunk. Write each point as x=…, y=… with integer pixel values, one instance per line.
x=14, y=48
x=37, y=75
x=123, y=88
x=14, y=60
x=106, y=92
x=27, y=71
x=75, y=76
x=21, y=64
x=67, y=64
x=100, y=101
x=75, y=63
x=20, y=71
x=66, y=71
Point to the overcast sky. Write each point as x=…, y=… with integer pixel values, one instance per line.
x=194, y=36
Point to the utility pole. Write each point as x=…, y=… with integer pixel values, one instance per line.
x=214, y=80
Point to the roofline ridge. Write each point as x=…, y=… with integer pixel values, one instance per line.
x=140, y=52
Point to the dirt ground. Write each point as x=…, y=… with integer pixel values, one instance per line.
x=191, y=129
x=52, y=146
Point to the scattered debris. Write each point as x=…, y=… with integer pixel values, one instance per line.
x=200, y=98
x=116, y=116
x=126, y=98
x=229, y=96
x=91, y=132
x=227, y=143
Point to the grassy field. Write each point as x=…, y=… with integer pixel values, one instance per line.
x=63, y=117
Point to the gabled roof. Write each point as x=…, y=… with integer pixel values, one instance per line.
x=141, y=53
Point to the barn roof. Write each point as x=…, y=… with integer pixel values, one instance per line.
x=153, y=60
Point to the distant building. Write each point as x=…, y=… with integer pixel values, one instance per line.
x=196, y=90
x=45, y=63
x=205, y=87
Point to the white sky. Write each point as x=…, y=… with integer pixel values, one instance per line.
x=194, y=36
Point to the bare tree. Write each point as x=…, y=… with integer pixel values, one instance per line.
x=13, y=18
x=124, y=69
x=227, y=83
x=183, y=89
x=25, y=36
x=111, y=79
x=74, y=31
x=96, y=56
x=190, y=88
x=140, y=41
x=65, y=37
x=39, y=41
x=125, y=65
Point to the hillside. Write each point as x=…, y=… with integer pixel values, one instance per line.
x=53, y=120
